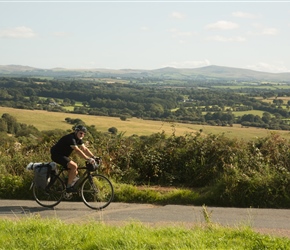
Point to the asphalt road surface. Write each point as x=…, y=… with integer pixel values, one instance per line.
x=272, y=221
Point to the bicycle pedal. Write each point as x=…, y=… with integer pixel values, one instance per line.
x=67, y=196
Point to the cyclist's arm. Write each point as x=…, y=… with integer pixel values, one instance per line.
x=86, y=150
x=83, y=152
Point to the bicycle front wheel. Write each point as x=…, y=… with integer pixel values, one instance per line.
x=51, y=195
x=97, y=191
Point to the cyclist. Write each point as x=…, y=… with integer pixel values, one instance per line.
x=61, y=151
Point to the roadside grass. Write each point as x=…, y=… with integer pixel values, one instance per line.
x=44, y=120
x=37, y=233
x=156, y=195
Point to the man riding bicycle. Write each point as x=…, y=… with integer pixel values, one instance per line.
x=61, y=151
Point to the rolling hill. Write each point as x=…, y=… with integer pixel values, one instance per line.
x=204, y=73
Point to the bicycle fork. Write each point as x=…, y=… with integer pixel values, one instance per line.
x=93, y=184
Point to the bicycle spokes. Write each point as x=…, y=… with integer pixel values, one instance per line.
x=97, y=191
x=51, y=195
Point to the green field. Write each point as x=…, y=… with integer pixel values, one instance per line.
x=44, y=120
x=252, y=112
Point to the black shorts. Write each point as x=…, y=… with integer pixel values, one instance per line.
x=60, y=159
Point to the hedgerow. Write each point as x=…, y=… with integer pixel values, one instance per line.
x=229, y=172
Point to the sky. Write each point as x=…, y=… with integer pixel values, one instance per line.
x=146, y=34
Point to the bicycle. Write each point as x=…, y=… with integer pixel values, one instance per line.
x=96, y=190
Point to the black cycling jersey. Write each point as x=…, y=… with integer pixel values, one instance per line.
x=65, y=145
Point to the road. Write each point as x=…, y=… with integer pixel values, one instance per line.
x=272, y=221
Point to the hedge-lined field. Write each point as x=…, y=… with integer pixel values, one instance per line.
x=44, y=120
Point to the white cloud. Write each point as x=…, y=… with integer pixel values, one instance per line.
x=177, y=15
x=244, y=15
x=261, y=30
x=275, y=67
x=189, y=64
x=226, y=39
x=144, y=28
x=182, y=41
x=222, y=25
x=269, y=31
x=17, y=32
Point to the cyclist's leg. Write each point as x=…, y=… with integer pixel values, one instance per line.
x=67, y=163
x=72, y=172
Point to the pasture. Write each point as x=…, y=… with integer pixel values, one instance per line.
x=44, y=120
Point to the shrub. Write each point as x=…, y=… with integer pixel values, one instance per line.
x=113, y=130
x=233, y=172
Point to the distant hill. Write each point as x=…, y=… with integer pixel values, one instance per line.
x=204, y=73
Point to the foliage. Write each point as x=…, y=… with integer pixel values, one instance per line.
x=14, y=186
x=192, y=103
x=113, y=130
x=228, y=172
x=157, y=195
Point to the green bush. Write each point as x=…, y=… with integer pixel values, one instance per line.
x=14, y=187
x=229, y=172
x=260, y=189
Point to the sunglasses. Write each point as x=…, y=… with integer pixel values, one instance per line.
x=82, y=133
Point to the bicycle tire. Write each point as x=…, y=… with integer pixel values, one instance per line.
x=50, y=196
x=97, y=191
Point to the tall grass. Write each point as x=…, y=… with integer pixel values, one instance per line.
x=35, y=233
x=133, y=194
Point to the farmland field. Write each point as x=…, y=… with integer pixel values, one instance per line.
x=44, y=120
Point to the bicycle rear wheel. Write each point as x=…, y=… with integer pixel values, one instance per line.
x=52, y=195
x=97, y=191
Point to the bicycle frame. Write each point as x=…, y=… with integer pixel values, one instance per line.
x=63, y=178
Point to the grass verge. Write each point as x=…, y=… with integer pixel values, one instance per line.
x=36, y=233
x=156, y=195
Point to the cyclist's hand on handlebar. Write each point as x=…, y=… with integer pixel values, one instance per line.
x=91, y=160
x=98, y=159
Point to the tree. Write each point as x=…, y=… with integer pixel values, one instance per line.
x=278, y=102
x=113, y=130
x=266, y=117
x=12, y=125
x=123, y=118
x=3, y=125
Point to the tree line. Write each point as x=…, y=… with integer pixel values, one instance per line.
x=189, y=104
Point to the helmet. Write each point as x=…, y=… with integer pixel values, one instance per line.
x=80, y=128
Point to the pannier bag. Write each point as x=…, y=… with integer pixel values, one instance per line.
x=42, y=172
